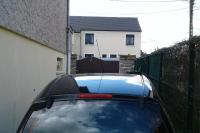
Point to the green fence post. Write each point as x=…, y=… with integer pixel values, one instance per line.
x=147, y=66
x=160, y=71
x=190, y=87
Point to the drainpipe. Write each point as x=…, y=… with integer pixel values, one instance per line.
x=80, y=56
x=68, y=53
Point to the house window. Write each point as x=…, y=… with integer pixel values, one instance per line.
x=89, y=38
x=113, y=56
x=59, y=64
x=104, y=56
x=89, y=55
x=130, y=39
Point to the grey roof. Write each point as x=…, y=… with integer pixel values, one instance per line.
x=79, y=23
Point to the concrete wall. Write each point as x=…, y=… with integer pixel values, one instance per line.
x=26, y=67
x=73, y=63
x=110, y=42
x=41, y=20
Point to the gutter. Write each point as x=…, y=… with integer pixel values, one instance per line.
x=80, y=56
x=68, y=55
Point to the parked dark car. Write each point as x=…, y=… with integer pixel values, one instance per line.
x=99, y=103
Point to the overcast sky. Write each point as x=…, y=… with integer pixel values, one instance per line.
x=163, y=22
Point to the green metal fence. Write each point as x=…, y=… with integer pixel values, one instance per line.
x=168, y=70
x=150, y=66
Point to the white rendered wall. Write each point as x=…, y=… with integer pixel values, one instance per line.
x=76, y=43
x=26, y=67
x=110, y=42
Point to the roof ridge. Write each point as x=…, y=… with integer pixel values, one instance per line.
x=104, y=17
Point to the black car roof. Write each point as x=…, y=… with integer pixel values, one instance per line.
x=66, y=84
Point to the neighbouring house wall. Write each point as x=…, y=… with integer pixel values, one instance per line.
x=41, y=20
x=76, y=44
x=111, y=42
x=26, y=67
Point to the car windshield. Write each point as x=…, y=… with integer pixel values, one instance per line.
x=92, y=116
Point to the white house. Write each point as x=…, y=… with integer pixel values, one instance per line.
x=32, y=52
x=107, y=37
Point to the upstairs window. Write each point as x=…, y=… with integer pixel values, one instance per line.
x=130, y=39
x=89, y=38
x=89, y=55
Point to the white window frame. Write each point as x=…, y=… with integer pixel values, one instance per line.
x=59, y=64
x=133, y=39
x=89, y=44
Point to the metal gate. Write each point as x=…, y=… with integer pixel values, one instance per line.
x=95, y=65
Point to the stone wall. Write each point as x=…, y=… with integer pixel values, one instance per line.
x=41, y=20
x=73, y=63
x=126, y=62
